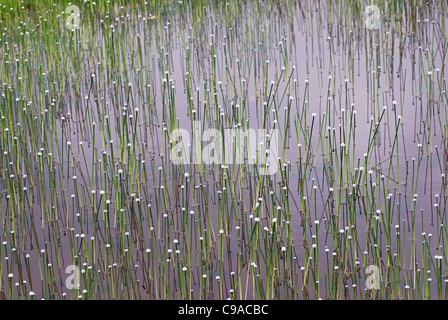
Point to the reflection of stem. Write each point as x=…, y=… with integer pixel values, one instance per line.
x=445, y=163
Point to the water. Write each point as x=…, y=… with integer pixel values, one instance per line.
x=328, y=71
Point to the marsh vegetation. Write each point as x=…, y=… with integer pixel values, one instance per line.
x=89, y=104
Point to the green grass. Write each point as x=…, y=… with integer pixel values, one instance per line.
x=87, y=122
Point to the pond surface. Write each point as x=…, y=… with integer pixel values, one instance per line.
x=353, y=203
